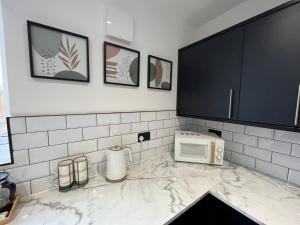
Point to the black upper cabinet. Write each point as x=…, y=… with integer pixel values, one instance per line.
x=259, y=60
x=209, y=77
x=271, y=69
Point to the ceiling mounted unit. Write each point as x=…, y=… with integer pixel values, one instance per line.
x=119, y=24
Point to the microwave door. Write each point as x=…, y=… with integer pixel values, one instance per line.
x=195, y=152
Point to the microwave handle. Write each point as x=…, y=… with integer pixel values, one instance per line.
x=213, y=153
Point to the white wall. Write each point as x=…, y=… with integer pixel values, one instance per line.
x=242, y=12
x=3, y=79
x=155, y=34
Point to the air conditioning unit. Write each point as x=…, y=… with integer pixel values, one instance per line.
x=119, y=24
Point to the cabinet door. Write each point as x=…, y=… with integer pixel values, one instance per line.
x=271, y=69
x=209, y=77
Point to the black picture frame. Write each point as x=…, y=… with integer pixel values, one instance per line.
x=33, y=75
x=105, y=44
x=171, y=68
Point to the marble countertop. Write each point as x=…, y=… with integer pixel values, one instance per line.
x=157, y=190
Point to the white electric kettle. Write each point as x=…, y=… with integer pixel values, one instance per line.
x=116, y=163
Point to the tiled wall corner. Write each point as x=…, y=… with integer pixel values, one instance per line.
x=39, y=143
x=273, y=152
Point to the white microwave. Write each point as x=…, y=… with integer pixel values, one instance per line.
x=198, y=148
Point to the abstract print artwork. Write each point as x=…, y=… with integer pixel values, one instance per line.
x=159, y=73
x=121, y=65
x=57, y=54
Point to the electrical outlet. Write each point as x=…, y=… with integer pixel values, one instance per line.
x=146, y=136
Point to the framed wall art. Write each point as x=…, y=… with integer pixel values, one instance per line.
x=159, y=73
x=121, y=65
x=57, y=54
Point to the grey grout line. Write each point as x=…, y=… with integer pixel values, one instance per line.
x=29, y=161
x=288, y=174
x=66, y=121
x=26, y=129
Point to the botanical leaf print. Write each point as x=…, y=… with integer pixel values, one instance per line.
x=69, y=55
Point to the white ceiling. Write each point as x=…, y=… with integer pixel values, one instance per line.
x=193, y=12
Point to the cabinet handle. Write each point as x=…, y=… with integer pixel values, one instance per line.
x=230, y=103
x=297, y=107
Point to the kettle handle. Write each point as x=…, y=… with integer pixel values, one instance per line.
x=130, y=153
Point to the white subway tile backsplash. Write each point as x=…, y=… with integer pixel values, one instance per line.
x=65, y=136
x=163, y=133
x=76, y=121
x=155, y=143
x=169, y=123
x=95, y=132
x=243, y=160
x=232, y=146
x=245, y=139
x=155, y=125
x=120, y=129
x=95, y=157
x=104, y=143
x=234, y=127
x=43, y=184
x=23, y=189
x=188, y=121
x=272, y=169
x=30, y=172
x=173, y=129
x=179, y=122
x=245, y=145
x=148, y=116
x=168, y=140
x=29, y=140
x=275, y=146
x=129, y=138
x=140, y=127
x=163, y=115
x=162, y=150
x=148, y=154
x=153, y=134
x=45, y=123
x=295, y=150
x=21, y=158
x=137, y=147
x=284, y=160
x=260, y=132
x=48, y=153
x=102, y=167
x=109, y=118
x=294, y=177
x=93, y=169
x=257, y=153
x=287, y=136
x=227, y=155
x=213, y=124
x=227, y=135
x=199, y=122
x=173, y=115
x=171, y=148
x=130, y=117
x=17, y=125
x=76, y=148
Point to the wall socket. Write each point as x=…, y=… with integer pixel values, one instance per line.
x=146, y=136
